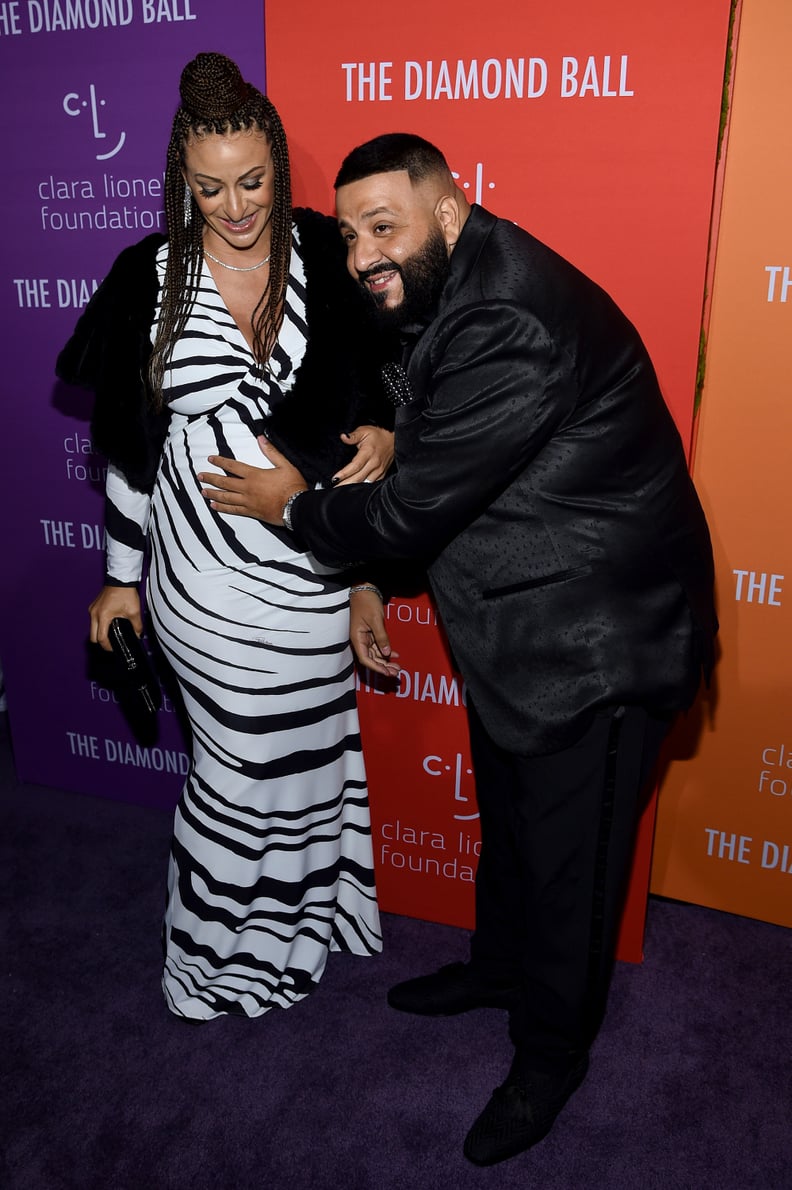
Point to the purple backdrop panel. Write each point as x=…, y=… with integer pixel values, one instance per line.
x=94, y=85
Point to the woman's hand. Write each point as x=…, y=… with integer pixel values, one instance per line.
x=112, y=602
x=373, y=457
x=368, y=634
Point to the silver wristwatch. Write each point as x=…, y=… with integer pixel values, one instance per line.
x=287, y=508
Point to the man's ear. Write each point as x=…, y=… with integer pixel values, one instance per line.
x=449, y=217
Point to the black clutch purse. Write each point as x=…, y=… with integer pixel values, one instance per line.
x=133, y=678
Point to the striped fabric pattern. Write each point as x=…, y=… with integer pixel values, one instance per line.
x=271, y=864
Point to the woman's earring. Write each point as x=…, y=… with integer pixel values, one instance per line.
x=187, y=204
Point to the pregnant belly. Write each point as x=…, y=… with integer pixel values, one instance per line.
x=193, y=441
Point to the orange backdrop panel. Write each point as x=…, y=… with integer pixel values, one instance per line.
x=724, y=834
x=593, y=126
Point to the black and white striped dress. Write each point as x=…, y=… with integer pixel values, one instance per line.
x=271, y=864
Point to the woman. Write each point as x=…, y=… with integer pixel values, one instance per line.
x=271, y=862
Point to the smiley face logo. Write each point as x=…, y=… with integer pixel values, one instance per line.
x=459, y=774
x=76, y=105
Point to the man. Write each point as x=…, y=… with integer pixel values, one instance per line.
x=540, y=476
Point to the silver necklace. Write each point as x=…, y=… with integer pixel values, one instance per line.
x=235, y=268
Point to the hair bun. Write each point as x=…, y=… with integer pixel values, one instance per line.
x=212, y=87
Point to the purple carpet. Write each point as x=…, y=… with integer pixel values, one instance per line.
x=689, y=1087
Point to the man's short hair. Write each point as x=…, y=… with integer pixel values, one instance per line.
x=390, y=152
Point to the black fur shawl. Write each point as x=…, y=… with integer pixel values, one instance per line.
x=336, y=388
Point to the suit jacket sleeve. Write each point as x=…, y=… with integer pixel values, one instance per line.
x=497, y=387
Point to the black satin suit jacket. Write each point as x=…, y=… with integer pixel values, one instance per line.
x=542, y=479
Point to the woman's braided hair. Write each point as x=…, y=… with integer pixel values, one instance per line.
x=216, y=99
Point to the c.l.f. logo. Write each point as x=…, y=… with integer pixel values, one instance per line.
x=435, y=766
x=74, y=105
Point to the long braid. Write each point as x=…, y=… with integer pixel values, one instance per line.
x=216, y=99
x=268, y=314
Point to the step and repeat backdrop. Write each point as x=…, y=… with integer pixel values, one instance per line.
x=725, y=826
x=596, y=128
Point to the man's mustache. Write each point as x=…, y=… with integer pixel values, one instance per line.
x=375, y=270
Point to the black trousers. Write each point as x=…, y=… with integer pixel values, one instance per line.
x=557, y=837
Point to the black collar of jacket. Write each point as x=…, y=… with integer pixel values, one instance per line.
x=467, y=250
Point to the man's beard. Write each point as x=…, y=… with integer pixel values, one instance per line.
x=423, y=276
